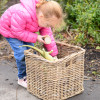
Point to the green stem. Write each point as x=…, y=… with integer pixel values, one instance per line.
x=50, y=51
x=40, y=51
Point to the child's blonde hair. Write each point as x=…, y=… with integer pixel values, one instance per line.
x=51, y=8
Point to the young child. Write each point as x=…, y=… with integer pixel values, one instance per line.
x=19, y=23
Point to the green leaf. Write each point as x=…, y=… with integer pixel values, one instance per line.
x=98, y=47
x=94, y=72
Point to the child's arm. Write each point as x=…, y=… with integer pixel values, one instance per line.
x=18, y=25
x=52, y=45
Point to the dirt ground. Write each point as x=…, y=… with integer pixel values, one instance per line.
x=91, y=64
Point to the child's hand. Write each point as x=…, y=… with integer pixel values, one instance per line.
x=44, y=39
x=40, y=39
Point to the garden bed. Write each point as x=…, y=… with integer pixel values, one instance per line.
x=92, y=58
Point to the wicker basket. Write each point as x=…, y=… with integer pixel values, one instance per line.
x=56, y=80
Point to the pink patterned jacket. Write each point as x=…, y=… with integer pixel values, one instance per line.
x=20, y=21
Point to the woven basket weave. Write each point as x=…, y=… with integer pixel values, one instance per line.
x=56, y=80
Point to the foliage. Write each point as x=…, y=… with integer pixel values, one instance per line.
x=98, y=47
x=3, y=5
x=83, y=15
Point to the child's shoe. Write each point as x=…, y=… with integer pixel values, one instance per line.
x=23, y=82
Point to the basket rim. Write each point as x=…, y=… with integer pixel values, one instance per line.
x=58, y=60
x=75, y=46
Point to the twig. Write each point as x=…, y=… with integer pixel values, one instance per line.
x=6, y=57
x=16, y=92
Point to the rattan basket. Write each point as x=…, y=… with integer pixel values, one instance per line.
x=56, y=80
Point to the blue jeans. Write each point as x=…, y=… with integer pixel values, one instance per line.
x=19, y=54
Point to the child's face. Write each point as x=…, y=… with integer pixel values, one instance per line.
x=47, y=22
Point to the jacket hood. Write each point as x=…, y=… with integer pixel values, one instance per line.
x=30, y=6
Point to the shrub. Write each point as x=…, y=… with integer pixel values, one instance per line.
x=83, y=15
x=3, y=6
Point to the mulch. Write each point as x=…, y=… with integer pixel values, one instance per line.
x=91, y=64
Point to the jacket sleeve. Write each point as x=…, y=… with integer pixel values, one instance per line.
x=52, y=45
x=18, y=25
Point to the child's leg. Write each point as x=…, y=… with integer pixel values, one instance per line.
x=32, y=44
x=27, y=43
x=19, y=55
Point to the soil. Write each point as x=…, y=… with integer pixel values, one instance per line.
x=92, y=56
x=91, y=64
